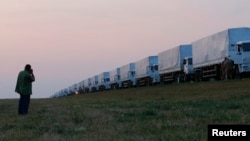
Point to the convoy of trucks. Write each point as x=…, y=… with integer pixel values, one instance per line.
x=201, y=60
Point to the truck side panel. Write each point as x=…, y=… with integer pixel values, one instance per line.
x=210, y=50
x=113, y=74
x=172, y=60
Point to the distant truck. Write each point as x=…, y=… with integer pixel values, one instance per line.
x=175, y=64
x=73, y=89
x=87, y=85
x=115, y=78
x=209, y=53
x=64, y=92
x=146, y=71
x=94, y=84
x=128, y=75
x=104, y=81
x=81, y=87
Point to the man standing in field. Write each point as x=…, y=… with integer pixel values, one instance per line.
x=24, y=88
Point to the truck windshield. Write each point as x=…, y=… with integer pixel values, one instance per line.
x=246, y=47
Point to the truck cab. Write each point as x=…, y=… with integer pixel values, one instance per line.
x=243, y=56
x=94, y=84
x=118, y=82
x=105, y=82
x=117, y=78
x=188, y=65
x=131, y=76
x=152, y=71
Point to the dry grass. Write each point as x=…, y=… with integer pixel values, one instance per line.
x=163, y=112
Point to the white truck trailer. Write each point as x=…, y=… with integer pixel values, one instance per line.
x=209, y=53
x=128, y=75
x=115, y=78
x=146, y=71
x=104, y=81
x=175, y=64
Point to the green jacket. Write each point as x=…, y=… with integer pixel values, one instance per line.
x=24, y=83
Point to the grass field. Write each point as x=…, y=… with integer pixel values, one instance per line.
x=173, y=112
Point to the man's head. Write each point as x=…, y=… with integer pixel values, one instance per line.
x=27, y=67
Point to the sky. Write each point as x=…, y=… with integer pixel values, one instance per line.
x=67, y=41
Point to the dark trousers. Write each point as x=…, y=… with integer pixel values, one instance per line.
x=24, y=103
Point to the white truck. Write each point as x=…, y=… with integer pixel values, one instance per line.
x=115, y=78
x=104, y=81
x=81, y=86
x=94, y=84
x=87, y=85
x=73, y=89
x=209, y=53
x=175, y=64
x=146, y=71
x=128, y=75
